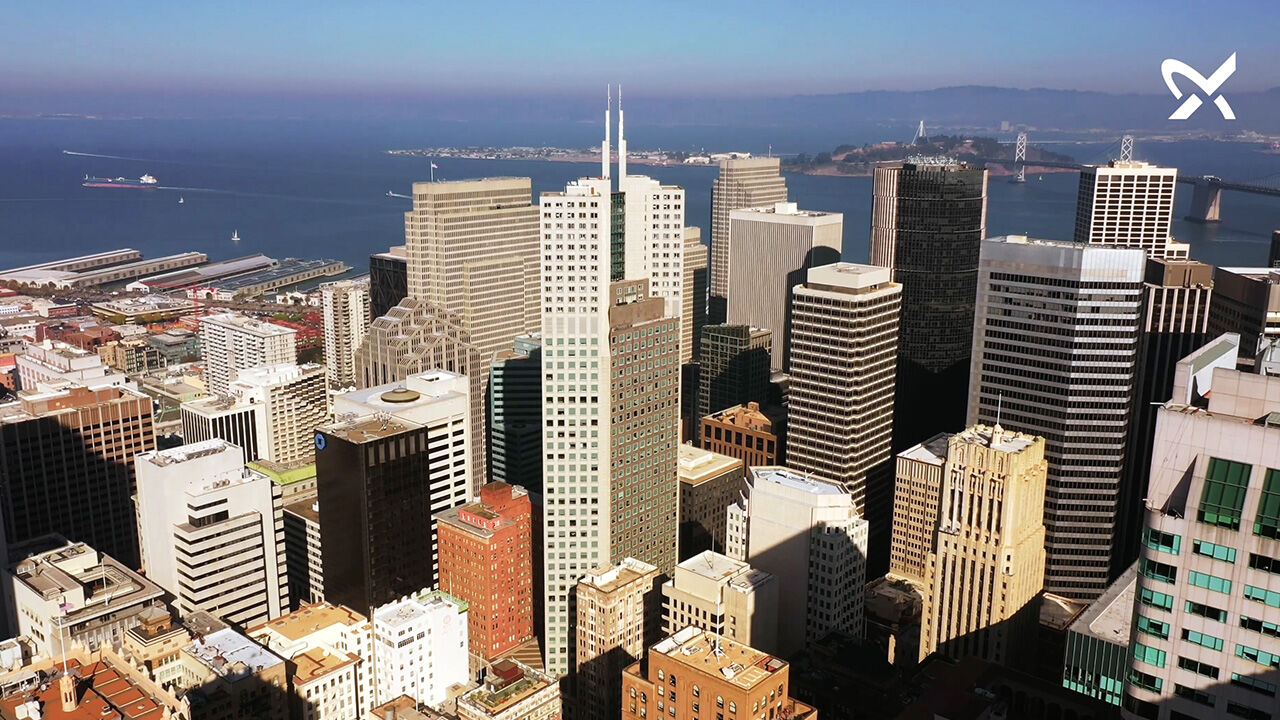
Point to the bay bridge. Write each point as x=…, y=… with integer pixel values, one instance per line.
x=1206, y=198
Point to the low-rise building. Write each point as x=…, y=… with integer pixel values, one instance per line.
x=746, y=433
x=709, y=482
x=420, y=647
x=618, y=609
x=326, y=647
x=155, y=643
x=226, y=675
x=724, y=596
x=512, y=691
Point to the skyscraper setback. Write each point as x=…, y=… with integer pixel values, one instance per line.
x=928, y=219
x=743, y=183
x=1055, y=354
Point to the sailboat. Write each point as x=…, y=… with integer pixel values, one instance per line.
x=235, y=236
x=181, y=199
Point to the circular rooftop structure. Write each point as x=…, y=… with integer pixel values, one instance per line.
x=400, y=395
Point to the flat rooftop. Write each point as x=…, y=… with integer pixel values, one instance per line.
x=309, y=619
x=712, y=565
x=408, y=610
x=785, y=208
x=247, y=324
x=707, y=653
x=368, y=428
x=609, y=578
x=932, y=451
x=316, y=663
x=697, y=466
x=307, y=509
x=232, y=655
x=788, y=478
x=184, y=453
x=1109, y=617
x=85, y=580
x=280, y=274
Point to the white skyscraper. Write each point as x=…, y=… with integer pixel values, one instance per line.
x=807, y=533
x=212, y=532
x=346, y=320
x=1128, y=204
x=231, y=343
x=419, y=647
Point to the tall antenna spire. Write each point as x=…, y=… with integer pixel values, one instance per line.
x=622, y=139
x=608, y=118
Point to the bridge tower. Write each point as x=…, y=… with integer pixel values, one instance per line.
x=1020, y=158
x=1126, y=149
x=1206, y=200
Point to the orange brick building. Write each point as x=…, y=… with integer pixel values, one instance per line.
x=486, y=559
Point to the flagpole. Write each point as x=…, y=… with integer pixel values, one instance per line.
x=433, y=170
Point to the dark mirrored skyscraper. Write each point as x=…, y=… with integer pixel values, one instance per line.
x=928, y=219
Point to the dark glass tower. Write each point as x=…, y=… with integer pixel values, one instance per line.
x=927, y=223
x=515, y=415
x=388, y=281
x=735, y=367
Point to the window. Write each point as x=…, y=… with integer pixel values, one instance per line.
x=662, y=675
x=1163, y=541
x=1148, y=655
x=1260, y=626
x=1261, y=687
x=1207, y=611
x=696, y=691
x=1244, y=711
x=1153, y=627
x=1198, y=667
x=1217, y=552
x=1264, y=563
x=1202, y=639
x=1267, y=524
x=1262, y=657
x=733, y=706
x=1195, y=696
x=1144, y=681
x=1257, y=594
x=1151, y=598
x=1158, y=570
x=1209, y=582
x=1223, y=496
x=719, y=701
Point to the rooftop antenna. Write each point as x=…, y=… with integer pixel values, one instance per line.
x=622, y=139
x=608, y=118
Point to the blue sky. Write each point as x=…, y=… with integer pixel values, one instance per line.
x=657, y=48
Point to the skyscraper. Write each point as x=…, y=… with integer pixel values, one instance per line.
x=734, y=367
x=725, y=596
x=654, y=243
x=472, y=249
x=806, y=532
x=212, y=532
x=987, y=562
x=231, y=343
x=396, y=454
x=769, y=249
x=1055, y=353
x=844, y=321
x=917, y=495
x=694, y=295
x=515, y=414
x=1178, y=296
x=1204, y=642
x=388, y=281
x=1128, y=204
x=928, y=219
x=1246, y=301
x=346, y=320
x=743, y=183
x=618, y=612
x=66, y=466
x=709, y=482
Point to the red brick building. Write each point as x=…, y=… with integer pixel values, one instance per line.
x=486, y=559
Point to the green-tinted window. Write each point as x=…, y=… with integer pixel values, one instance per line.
x=1153, y=627
x=1251, y=683
x=1158, y=570
x=1262, y=657
x=1152, y=598
x=1198, y=667
x=1163, y=541
x=1207, y=611
x=1260, y=626
x=1209, y=582
x=1267, y=523
x=1217, y=552
x=1144, y=681
x=1223, y=496
x=1203, y=639
x=1262, y=595
x=1149, y=655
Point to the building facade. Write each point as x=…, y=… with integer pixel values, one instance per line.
x=515, y=414
x=512, y=691
x=1055, y=354
x=693, y=317
x=770, y=250
x=346, y=320
x=231, y=343
x=917, y=496
x=742, y=183
x=1246, y=301
x=396, y=454
x=725, y=596
x=212, y=532
x=734, y=367
x=618, y=608
x=709, y=483
x=1128, y=204
x=388, y=281
x=419, y=647
x=928, y=220
x=745, y=433
x=328, y=649
x=1096, y=661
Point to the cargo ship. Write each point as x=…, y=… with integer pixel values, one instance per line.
x=146, y=182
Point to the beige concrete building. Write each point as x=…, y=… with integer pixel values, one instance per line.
x=917, y=493
x=694, y=294
x=987, y=561
x=231, y=342
x=346, y=320
x=472, y=249
x=294, y=403
x=743, y=183
x=617, y=618
x=843, y=365
x=1204, y=641
x=1128, y=204
x=725, y=596
x=328, y=649
x=770, y=248
x=154, y=643
x=709, y=482
x=417, y=336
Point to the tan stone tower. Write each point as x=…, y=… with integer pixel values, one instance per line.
x=988, y=558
